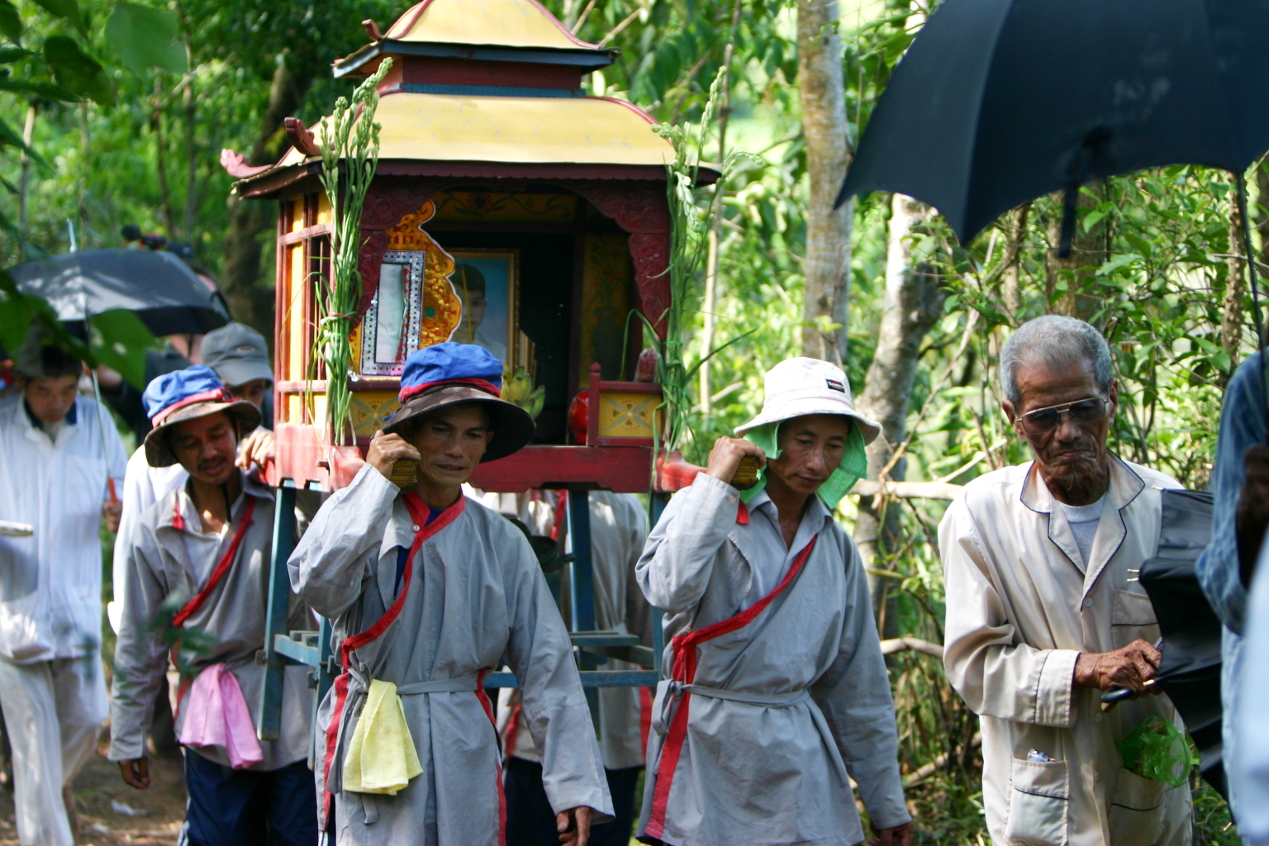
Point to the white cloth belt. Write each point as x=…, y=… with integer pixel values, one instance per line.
x=461, y=684
x=668, y=690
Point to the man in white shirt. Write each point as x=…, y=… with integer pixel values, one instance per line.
x=57, y=451
x=1044, y=611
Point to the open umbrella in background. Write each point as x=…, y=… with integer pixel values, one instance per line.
x=1001, y=101
x=106, y=292
x=157, y=287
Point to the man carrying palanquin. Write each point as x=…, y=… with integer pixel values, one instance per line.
x=428, y=590
x=1044, y=611
x=779, y=693
x=56, y=454
x=618, y=529
x=203, y=552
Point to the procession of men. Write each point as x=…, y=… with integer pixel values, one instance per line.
x=775, y=714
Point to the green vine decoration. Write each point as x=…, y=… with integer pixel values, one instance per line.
x=689, y=226
x=350, y=136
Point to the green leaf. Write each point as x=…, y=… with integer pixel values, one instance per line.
x=40, y=89
x=68, y=9
x=145, y=38
x=76, y=71
x=118, y=339
x=15, y=322
x=10, y=21
x=9, y=55
x=9, y=137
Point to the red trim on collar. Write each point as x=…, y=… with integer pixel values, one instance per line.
x=483, y=384
x=419, y=513
x=216, y=395
x=742, y=515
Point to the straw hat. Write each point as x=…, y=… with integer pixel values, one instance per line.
x=801, y=386
x=452, y=373
x=185, y=395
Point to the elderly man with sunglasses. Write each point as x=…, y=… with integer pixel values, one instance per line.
x=1044, y=611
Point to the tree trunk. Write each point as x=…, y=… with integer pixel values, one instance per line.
x=826, y=267
x=1235, y=285
x=24, y=183
x=1089, y=250
x=160, y=160
x=1011, y=282
x=913, y=303
x=192, y=155
x=250, y=219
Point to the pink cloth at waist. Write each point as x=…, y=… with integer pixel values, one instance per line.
x=216, y=715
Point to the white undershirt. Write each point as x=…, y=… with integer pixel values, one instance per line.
x=1084, y=520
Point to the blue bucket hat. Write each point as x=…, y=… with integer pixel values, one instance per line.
x=451, y=373
x=185, y=395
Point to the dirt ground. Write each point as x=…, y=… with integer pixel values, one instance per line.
x=160, y=810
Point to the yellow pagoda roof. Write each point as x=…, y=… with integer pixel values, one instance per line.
x=522, y=130
x=506, y=23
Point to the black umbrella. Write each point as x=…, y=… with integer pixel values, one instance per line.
x=159, y=287
x=1000, y=101
x=1190, y=672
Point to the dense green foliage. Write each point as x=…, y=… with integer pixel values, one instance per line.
x=1154, y=274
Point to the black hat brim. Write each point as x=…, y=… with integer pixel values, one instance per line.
x=513, y=427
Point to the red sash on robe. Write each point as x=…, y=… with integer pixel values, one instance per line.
x=684, y=671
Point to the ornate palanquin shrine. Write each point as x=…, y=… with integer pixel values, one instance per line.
x=492, y=159
x=511, y=210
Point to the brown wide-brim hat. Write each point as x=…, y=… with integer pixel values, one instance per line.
x=513, y=427
x=159, y=454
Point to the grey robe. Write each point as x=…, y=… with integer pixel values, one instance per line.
x=774, y=770
x=477, y=595
x=234, y=614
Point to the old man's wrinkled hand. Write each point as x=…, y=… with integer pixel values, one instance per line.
x=1130, y=667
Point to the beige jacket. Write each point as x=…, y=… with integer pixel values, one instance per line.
x=1021, y=607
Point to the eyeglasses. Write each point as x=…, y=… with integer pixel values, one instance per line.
x=1081, y=412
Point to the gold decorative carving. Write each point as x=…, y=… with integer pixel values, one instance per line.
x=442, y=308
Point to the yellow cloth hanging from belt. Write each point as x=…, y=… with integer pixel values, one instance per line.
x=381, y=757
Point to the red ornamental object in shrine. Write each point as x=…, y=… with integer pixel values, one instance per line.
x=510, y=209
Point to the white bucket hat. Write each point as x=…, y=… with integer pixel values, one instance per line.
x=801, y=386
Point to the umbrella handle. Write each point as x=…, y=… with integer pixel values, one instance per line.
x=114, y=497
x=1115, y=695
x=1070, y=200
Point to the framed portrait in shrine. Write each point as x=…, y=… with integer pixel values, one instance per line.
x=487, y=284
